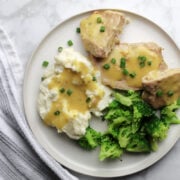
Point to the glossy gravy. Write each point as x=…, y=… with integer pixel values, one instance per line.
x=115, y=72
x=72, y=96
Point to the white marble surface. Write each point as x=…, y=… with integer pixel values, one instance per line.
x=28, y=21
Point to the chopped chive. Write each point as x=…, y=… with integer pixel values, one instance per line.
x=99, y=20
x=62, y=90
x=57, y=113
x=70, y=43
x=106, y=66
x=94, y=78
x=132, y=75
x=122, y=62
x=170, y=93
x=88, y=99
x=159, y=93
x=60, y=49
x=102, y=29
x=142, y=60
x=45, y=63
x=78, y=30
x=69, y=92
x=125, y=71
x=43, y=78
x=149, y=63
x=113, y=61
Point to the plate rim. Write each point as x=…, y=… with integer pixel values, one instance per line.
x=28, y=65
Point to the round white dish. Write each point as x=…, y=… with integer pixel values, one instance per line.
x=60, y=147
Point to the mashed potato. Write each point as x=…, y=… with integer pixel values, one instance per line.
x=70, y=93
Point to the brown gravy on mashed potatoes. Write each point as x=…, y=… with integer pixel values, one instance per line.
x=76, y=99
x=70, y=93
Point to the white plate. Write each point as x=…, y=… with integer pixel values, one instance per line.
x=59, y=146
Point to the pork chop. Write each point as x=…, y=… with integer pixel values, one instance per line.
x=161, y=87
x=128, y=63
x=99, y=31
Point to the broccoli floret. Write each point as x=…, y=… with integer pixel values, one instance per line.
x=109, y=148
x=153, y=144
x=142, y=109
x=126, y=101
x=135, y=126
x=134, y=96
x=156, y=128
x=90, y=140
x=168, y=113
x=124, y=136
x=115, y=113
x=138, y=144
x=128, y=98
x=113, y=127
x=113, y=104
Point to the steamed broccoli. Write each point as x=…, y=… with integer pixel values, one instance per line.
x=128, y=98
x=139, y=106
x=124, y=135
x=168, y=113
x=140, y=110
x=156, y=128
x=138, y=143
x=113, y=104
x=109, y=148
x=133, y=126
x=126, y=101
x=90, y=140
x=115, y=113
x=113, y=127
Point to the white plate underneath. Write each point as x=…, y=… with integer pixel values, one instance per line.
x=66, y=151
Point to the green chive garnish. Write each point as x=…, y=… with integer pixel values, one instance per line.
x=102, y=29
x=132, y=75
x=60, y=49
x=113, y=61
x=94, y=78
x=142, y=61
x=69, y=92
x=62, y=90
x=99, y=20
x=125, y=72
x=78, y=30
x=170, y=93
x=122, y=62
x=45, y=63
x=149, y=63
x=70, y=43
x=43, y=78
x=57, y=113
x=159, y=93
x=88, y=99
x=106, y=66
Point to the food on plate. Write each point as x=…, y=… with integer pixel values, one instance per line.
x=70, y=92
x=133, y=126
x=99, y=31
x=90, y=140
x=161, y=87
x=128, y=63
x=128, y=85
